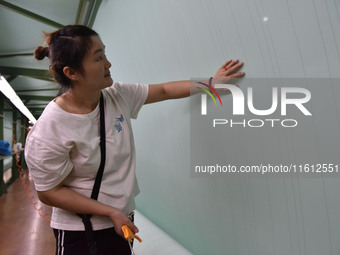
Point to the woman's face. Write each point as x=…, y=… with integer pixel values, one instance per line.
x=96, y=67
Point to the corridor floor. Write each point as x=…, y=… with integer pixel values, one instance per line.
x=22, y=230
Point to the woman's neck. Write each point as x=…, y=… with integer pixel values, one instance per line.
x=78, y=102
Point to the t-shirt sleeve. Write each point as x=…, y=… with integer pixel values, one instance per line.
x=48, y=166
x=134, y=95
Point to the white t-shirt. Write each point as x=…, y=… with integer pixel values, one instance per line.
x=65, y=147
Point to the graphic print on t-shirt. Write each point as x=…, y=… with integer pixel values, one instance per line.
x=118, y=125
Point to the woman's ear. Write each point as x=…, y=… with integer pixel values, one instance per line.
x=71, y=73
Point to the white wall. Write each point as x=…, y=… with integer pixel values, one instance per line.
x=151, y=41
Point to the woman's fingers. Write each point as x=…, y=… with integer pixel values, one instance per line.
x=119, y=219
x=229, y=69
x=233, y=66
x=226, y=64
x=231, y=63
x=133, y=227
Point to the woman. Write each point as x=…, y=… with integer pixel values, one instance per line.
x=62, y=149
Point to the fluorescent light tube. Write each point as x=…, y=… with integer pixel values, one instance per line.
x=8, y=91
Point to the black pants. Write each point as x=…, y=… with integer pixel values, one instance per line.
x=74, y=243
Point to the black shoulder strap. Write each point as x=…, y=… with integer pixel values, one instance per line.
x=95, y=191
x=96, y=186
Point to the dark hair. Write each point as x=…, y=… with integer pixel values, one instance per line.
x=66, y=47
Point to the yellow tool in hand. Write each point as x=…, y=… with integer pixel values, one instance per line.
x=129, y=236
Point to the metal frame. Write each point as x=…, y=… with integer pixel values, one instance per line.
x=30, y=14
x=2, y=183
x=30, y=72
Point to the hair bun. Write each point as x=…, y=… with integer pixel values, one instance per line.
x=41, y=52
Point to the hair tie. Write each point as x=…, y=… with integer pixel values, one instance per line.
x=210, y=80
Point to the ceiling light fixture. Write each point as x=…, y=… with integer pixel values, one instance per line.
x=8, y=91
